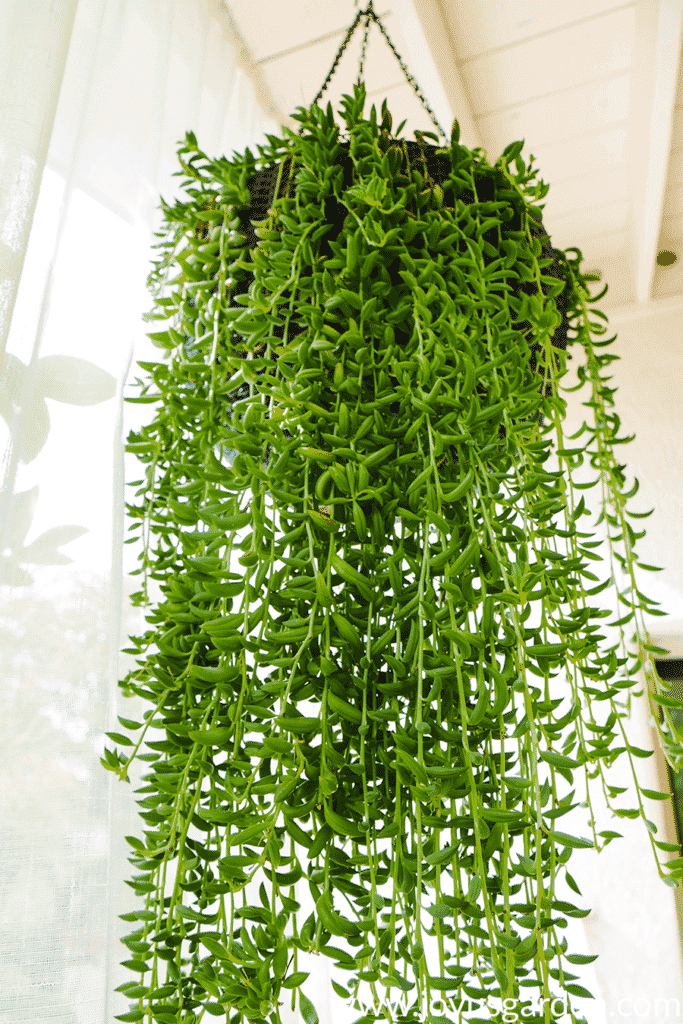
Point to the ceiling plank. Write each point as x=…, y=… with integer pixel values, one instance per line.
x=313, y=42
x=627, y=312
x=435, y=29
x=659, y=25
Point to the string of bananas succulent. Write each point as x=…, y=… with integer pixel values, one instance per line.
x=384, y=682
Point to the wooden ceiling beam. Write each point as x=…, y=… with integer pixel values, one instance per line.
x=659, y=28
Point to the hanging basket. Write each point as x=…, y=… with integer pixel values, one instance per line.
x=491, y=185
x=371, y=710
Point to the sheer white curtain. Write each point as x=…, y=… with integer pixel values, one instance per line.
x=95, y=95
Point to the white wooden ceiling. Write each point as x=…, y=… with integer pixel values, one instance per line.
x=593, y=86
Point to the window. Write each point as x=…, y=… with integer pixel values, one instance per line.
x=671, y=670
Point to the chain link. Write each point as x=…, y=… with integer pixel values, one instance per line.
x=404, y=69
x=369, y=15
x=337, y=58
x=363, y=50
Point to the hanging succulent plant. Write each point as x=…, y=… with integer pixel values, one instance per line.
x=388, y=694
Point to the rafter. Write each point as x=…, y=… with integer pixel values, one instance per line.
x=659, y=25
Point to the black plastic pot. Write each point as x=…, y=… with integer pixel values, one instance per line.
x=491, y=185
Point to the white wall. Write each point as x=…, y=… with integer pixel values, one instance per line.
x=633, y=923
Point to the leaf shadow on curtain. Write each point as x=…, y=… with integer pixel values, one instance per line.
x=137, y=76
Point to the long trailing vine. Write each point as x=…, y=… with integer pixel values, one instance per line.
x=389, y=686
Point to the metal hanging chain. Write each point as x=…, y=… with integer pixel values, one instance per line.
x=363, y=50
x=411, y=80
x=337, y=58
x=369, y=15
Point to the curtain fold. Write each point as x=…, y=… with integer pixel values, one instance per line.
x=96, y=95
x=33, y=53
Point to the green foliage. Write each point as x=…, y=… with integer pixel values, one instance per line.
x=379, y=361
